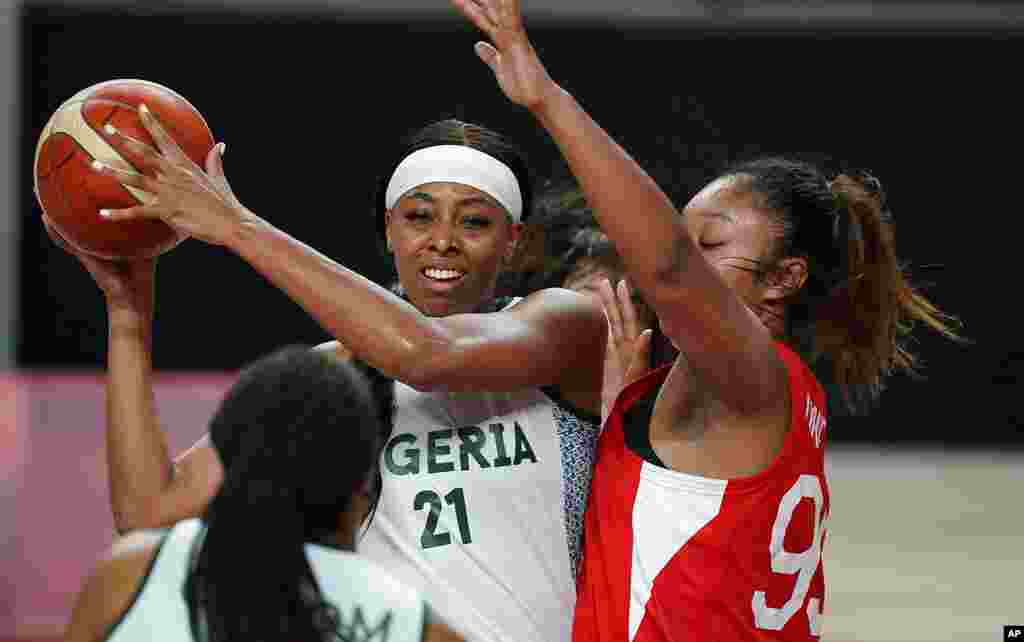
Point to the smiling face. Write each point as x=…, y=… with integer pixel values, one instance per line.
x=449, y=241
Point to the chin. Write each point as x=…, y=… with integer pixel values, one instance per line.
x=436, y=306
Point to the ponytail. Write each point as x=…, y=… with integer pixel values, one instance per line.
x=299, y=436
x=863, y=324
x=857, y=308
x=262, y=533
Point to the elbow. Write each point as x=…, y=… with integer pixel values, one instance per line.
x=128, y=519
x=668, y=267
x=426, y=364
x=662, y=273
x=422, y=375
x=670, y=278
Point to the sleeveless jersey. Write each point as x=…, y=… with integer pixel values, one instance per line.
x=673, y=557
x=372, y=605
x=481, y=509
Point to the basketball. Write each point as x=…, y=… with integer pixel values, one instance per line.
x=71, y=193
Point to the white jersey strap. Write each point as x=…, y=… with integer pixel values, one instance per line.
x=159, y=598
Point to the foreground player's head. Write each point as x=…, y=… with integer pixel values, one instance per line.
x=298, y=436
x=815, y=259
x=450, y=209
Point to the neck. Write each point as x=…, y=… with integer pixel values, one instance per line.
x=349, y=523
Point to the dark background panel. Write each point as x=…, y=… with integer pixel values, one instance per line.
x=312, y=106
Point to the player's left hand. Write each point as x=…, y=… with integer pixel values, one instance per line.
x=196, y=202
x=510, y=55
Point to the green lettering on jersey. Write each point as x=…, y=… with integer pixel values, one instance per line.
x=523, y=449
x=359, y=631
x=435, y=449
x=473, y=440
x=411, y=455
x=499, y=437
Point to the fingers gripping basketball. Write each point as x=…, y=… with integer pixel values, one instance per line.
x=72, y=193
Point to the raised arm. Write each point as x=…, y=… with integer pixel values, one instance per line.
x=147, y=489
x=720, y=337
x=530, y=345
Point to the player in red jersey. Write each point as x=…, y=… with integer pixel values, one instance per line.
x=708, y=504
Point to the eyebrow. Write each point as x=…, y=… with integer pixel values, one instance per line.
x=421, y=196
x=478, y=200
x=469, y=200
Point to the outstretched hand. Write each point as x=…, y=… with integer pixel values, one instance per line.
x=510, y=55
x=628, y=353
x=193, y=201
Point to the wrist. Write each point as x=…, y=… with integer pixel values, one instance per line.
x=549, y=101
x=126, y=313
x=245, y=230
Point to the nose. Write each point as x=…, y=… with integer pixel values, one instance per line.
x=443, y=240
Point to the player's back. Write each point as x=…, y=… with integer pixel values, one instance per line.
x=371, y=605
x=674, y=557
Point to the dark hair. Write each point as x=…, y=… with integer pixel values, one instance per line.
x=456, y=132
x=857, y=308
x=298, y=435
x=567, y=233
x=382, y=392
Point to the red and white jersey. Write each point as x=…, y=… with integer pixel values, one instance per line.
x=673, y=557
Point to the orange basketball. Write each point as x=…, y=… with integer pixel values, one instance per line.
x=71, y=193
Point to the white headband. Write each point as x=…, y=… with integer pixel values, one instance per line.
x=457, y=164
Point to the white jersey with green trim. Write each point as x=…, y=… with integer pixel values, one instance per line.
x=481, y=507
x=372, y=605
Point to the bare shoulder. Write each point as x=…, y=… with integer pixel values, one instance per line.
x=337, y=348
x=109, y=591
x=438, y=632
x=136, y=547
x=435, y=630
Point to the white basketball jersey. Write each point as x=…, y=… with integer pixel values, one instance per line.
x=481, y=508
x=372, y=605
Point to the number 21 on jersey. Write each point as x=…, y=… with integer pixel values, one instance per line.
x=431, y=501
x=803, y=564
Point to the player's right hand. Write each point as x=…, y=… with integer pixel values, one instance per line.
x=124, y=283
x=628, y=352
x=509, y=54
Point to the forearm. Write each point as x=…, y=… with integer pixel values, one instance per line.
x=379, y=327
x=631, y=209
x=138, y=459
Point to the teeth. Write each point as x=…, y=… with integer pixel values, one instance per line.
x=443, y=275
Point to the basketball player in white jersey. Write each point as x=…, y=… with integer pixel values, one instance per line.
x=495, y=408
x=272, y=558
